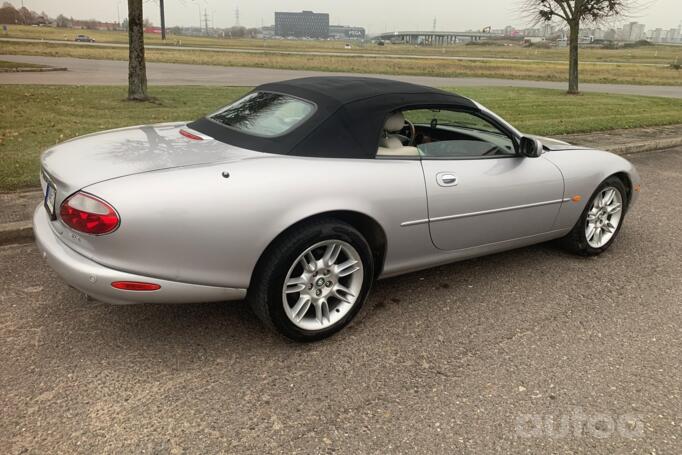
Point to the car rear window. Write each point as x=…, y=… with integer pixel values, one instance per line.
x=265, y=114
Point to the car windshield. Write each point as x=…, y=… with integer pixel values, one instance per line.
x=264, y=114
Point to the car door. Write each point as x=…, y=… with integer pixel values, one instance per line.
x=479, y=190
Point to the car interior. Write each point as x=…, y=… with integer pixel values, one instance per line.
x=442, y=134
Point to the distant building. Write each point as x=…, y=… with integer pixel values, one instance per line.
x=586, y=35
x=591, y=34
x=268, y=31
x=305, y=24
x=656, y=35
x=633, y=31
x=610, y=35
x=344, y=32
x=533, y=40
x=548, y=30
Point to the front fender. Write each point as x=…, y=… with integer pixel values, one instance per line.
x=583, y=172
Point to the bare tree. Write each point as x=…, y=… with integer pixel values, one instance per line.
x=573, y=13
x=137, y=71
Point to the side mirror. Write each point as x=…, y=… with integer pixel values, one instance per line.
x=530, y=147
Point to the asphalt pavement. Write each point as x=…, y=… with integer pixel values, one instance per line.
x=530, y=351
x=115, y=72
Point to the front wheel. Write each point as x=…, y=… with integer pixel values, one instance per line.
x=601, y=220
x=313, y=280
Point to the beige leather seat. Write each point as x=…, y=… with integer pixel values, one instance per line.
x=390, y=144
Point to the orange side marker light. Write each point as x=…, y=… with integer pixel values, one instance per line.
x=577, y=198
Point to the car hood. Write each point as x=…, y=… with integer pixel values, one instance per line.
x=556, y=144
x=90, y=159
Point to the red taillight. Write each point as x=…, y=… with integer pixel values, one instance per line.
x=189, y=135
x=86, y=213
x=135, y=286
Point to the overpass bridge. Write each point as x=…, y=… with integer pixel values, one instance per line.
x=435, y=38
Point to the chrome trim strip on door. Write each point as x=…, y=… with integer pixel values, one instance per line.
x=415, y=222
x=483, y=212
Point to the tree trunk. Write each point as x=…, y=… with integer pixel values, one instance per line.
x=573, y=76
x=137, y=71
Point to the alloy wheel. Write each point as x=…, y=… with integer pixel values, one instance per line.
x=322, y=285
x=604, y=217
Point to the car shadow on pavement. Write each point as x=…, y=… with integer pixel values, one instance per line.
x=232, y=324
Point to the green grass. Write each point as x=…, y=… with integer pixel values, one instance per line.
x=556, y=71
x=33, y=118
x=552, y=112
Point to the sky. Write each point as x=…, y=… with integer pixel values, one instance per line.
x=376, y=16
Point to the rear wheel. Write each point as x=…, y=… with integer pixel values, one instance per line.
x=313, y=281
x=601, y=220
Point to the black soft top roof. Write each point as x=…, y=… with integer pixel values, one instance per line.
x=348, y=120
x=342, y=90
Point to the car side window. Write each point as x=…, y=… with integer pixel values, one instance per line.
x=450, y=134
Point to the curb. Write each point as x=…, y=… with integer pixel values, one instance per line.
x=22, y=231
x=18, y=232
x=651, y=146
x=33, y=70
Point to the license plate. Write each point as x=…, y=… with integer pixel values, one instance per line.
x=50, y=198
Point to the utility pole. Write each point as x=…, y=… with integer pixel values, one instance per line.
x=236, y=17
x=199, y=18
x=206, y=20
x=163, y=21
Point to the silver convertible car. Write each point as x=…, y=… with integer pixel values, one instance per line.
x=299, y=195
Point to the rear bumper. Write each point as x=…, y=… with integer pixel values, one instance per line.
x=95, y=280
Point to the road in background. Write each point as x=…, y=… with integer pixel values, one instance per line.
x=488, y=355
x=314, y=53
x=115, y=72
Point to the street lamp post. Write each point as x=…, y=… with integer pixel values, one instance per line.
x=200, y=18
x=163, y=21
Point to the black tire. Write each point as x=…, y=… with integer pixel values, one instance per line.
x=576, y=240
x=265, y=291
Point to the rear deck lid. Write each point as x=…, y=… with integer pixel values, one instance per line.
x=90, y=159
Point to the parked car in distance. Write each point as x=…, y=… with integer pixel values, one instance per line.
x=84, y=39
x=301, y=194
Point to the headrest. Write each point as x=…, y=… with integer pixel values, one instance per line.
x=395, y=122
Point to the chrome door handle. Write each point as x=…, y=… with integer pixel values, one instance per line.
x=446, y=179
